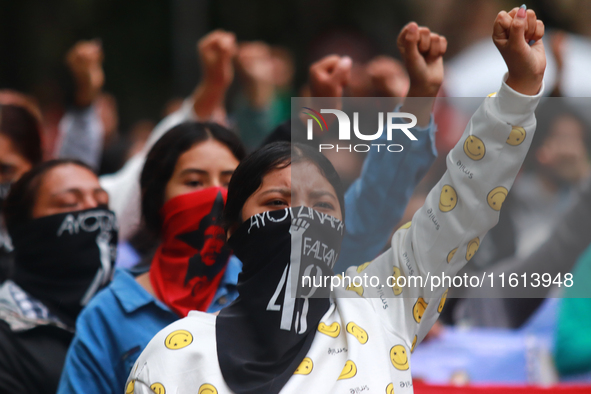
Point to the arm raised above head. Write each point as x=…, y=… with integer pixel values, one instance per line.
x=446, y=232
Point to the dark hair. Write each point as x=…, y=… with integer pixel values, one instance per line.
x=248, y=176
x=547, y=113
x=19, y=203
x=164, y=155
x=23, y=130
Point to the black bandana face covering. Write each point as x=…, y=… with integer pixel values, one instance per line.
x=64, y=259
x=264, y=335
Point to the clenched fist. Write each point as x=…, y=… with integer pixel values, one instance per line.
x=388, y=77
x=254, y=63
x=512, y=34
x=85, y=61
x=216, y=51
x=329, y=76
x=422, y=52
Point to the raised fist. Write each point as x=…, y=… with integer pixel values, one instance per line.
x=216, y=51
x=422, y=52
x=513, y=33
x=388, y=77
x=85, y=61
x=254, y=63
x=329, y=76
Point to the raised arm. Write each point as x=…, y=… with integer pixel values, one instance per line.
x=446, y=232
x=388, y=180
x=216, y=51
x=81, y=132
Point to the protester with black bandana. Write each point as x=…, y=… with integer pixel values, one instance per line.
x=284, y=217
x=65, y=241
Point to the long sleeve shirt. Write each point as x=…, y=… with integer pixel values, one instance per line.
x=364, y=341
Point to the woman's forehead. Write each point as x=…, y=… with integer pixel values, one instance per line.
x=297, y=176
x=69, y=176
x=278, y=177
x=207, y=155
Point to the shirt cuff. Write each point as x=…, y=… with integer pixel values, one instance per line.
x=188, y=109
x=516, y=107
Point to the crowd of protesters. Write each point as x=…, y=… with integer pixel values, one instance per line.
x=158, y=262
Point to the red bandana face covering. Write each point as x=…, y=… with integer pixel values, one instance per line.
x=189, y=264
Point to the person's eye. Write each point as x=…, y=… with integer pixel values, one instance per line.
x=67, y=204
x=193, y=183
x=276, y=203
x=324, y=205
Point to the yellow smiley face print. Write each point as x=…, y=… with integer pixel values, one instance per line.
x=349, y=370
x=474, y=148
x=305, y=367
x=419, y=309
x=158, y=388
x=390, y=389
x=473, y=246
x=362, y=267
x=332, y=331
x=178, y=339
x=517, y=136
x=130, y=386
x=207, y=389
x=357, y=332
x=448, y=198
x=395, y=288
x=414, y=343
x=399, y=357
x=405, y=225
x=451, y=254
x=496, y=197
x=356, y=289
x=442, y=302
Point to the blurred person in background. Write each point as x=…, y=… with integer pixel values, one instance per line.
x=65, y=241
x=556, y=167
x=89, y=131
x=207, y=102
x=513, y=307
x=572, y=341
x=264, y=101
x=383, y=77
x=20, y=149
x=21, y=131
x=253, y=111
x=84, y=128
x=183, y=185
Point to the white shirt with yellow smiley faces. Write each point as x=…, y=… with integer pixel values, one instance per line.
x=364, y=341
